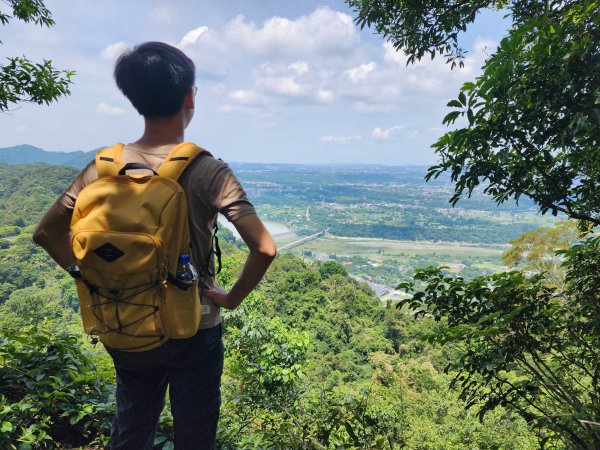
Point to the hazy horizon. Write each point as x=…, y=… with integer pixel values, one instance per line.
x=317, y=164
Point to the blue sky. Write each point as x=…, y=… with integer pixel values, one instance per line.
x=278, y=81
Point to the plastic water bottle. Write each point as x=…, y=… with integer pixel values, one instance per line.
x=186, y=273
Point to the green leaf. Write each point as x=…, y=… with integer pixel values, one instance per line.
x=6, y=427
x=451, y=117
x=350, y=431
x=160, y=439
x=470, y=116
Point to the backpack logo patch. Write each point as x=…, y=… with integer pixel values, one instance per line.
x=108, y=252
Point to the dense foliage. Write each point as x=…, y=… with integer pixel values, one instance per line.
x=534, y=115
x=24, y=197
x=51, y=391
x=525, y=344
x=301, y=372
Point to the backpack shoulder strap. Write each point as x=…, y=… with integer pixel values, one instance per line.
x=109, y=160
x=178, y=159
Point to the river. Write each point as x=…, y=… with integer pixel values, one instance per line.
x=273, y=227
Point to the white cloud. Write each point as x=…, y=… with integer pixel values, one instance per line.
x=226, y=109
x=162, y=15
x=393, y=57
x=437, y=130
x=385, y=134
x=427, y=82
x=379, y=87
x=339, y=139
x=299, y=67
x=303, y=55
x=321, y=32
x=326, y=36
x=325, y=96
x=103, y=108
x=277, y=83
x=436, y=67
x=284, y=86
x=113, y=51
x=361, y=72
x=246, y=97
x=289, y=81
x=318, y=59
x=191, y=37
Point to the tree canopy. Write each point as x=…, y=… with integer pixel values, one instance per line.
x=23, y=80
x=533, y=115
x=529, y=127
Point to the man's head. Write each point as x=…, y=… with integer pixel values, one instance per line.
x=155, y=77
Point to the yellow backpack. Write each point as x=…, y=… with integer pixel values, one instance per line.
x=127, y=233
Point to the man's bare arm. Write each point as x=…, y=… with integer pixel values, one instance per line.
x=262, y=252
x=53, y=234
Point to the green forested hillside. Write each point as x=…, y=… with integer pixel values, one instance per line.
x=313, y=360
x=27, y=190
x=29, y=281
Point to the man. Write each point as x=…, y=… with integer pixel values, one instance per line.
x=158, y=79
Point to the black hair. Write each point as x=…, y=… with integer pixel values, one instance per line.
x=155, y=77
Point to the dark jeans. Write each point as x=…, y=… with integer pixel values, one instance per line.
x=191, y=368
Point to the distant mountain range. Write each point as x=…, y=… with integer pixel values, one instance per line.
x=27, y=154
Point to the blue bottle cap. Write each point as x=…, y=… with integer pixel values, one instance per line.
x=184, y=258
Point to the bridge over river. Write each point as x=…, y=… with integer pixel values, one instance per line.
x=301, y=241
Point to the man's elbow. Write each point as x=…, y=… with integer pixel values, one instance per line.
x=39, y=236
x=42, y=238
x=268, y=252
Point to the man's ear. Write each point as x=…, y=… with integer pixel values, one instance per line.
x=189, y=101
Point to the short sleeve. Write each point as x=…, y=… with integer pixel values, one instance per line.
x=214, y=188
x=85, y=177
x=230, y=198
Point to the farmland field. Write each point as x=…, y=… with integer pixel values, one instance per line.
x=388, y=262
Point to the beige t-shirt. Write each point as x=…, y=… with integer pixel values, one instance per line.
x=210, y=187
